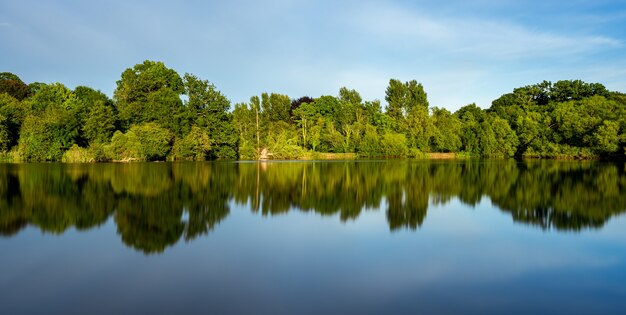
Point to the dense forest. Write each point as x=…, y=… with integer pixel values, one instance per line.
x=156, y=114
x=155, y=205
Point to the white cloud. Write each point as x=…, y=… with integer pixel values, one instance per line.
x=482, y=38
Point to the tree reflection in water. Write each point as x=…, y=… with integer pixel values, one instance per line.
x=155, y=205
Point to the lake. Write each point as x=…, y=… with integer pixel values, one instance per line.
x=353, y=237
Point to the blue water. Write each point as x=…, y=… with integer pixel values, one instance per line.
x=463, y=258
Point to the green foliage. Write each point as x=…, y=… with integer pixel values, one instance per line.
x=606, y=138
x=95, y=114
x=403, y=99
x=306, y=115
x=196, y=145
x=47, y=137
x=77, y=154
x=349, y=96
x=12, y=85
x=146, y=141
x=276, y=107
x=149, y=92
x=331, y=140
x=419, y=128
x=14, y=113
x=496, y=137
x=155, y=141
x=100, y=123
x=504, y=141
x=208, y=109
x=561, y=119
x=284, y=145
x=370, y=143
x=5, y=137
x=120, y=149
x=49, y=122
x=470, y=117
x=394, y=145
x=52, y=126
x=446, y=131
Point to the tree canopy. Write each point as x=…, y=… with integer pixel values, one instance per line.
x=157, y=114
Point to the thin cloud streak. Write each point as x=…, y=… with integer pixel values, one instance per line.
x=478, y=37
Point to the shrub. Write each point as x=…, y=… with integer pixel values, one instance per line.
x=194, y=146
x=147, y=141
x=154, y=141
x=77, y=154
x=369, y=146
x=394, y=144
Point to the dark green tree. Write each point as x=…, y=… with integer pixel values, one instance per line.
x=209, y=108
x=150, y=92
x=12, y=85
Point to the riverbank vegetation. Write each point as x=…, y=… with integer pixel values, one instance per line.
x=155, y=114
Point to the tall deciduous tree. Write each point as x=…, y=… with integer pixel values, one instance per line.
x=96, y=116
x=51, y=127
x=150, y=92
x=209, y=111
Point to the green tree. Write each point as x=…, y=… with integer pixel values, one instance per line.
x=419, y=128
x=394, y=144
x=471, y=117
x=403, y=100
x=147, y=141
x=369, y=146
x=5, y=137
x=155, y=141
x=100, y=123
x=95, y=114
x=506, y=140
x=12, y=85
x=446, y=131
x=306, y=115
x=395, y=97
x=196, y=145
x=210, y=107
x=496, y=137
x=13, y=113
x=350, y=96
x=244, y=122
x=606, y=139
x=51, y=127
x=150, y=92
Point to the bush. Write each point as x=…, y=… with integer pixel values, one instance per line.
x=77, y=154
x=120, y=150
x=369, y=146
x=247, y=150
x=417, y=154
x=284, y=146
x=196, y=145
x=394, y=144
x=154, y=141
x=147, y=141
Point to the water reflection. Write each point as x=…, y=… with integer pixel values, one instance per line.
x=155, y=205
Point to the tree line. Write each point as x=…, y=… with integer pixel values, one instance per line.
x=155, y=114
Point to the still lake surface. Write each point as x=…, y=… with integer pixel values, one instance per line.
x=356, y=237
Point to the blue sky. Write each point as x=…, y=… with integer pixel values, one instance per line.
x=461, y=51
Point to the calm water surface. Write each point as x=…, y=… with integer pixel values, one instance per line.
x=365, y=237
